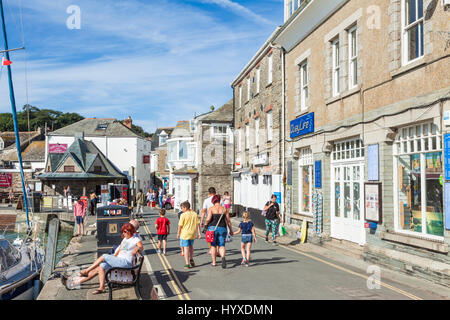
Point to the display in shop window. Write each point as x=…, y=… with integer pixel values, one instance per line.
x=373, y=202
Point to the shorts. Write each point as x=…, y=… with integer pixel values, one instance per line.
x=162, y=237
x=111, y=261
x=247, y=238
x=220, y=236
x=79, y=219
x=227, y=206
x=186, y=243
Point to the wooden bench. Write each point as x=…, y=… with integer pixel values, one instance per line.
x=125, y=277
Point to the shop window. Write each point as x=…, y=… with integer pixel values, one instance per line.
x=305, y=180
x=418, y=154
x=348, y=150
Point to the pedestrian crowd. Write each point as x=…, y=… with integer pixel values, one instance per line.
x=214, y=222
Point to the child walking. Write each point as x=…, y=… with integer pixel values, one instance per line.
x=162, y=226
x=248, y=237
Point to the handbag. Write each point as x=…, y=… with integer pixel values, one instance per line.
x=264, y=213
x=209, y=235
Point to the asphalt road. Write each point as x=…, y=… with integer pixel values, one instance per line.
x=275, y=272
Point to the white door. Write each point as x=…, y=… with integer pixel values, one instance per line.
x=347, y=193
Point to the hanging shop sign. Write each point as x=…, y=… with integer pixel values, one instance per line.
x=302, y=125
x=145, y=159
x=372, y=201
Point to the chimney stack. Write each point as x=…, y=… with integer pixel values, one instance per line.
x=128, y=122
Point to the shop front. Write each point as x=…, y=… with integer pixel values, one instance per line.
x=418, y=180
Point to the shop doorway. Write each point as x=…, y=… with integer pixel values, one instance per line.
x=347, y=207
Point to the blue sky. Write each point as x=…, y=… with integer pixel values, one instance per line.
x=157, y=61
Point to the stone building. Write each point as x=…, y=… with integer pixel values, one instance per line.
x=258, y=113
x=181, y=158
x=367, y=109
x=214, y=138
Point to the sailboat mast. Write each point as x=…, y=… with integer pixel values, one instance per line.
x=14, y=113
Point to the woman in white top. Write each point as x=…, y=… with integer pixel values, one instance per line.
x=122, y=258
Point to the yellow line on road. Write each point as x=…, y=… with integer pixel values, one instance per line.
x=400, y=291
x=176, y=283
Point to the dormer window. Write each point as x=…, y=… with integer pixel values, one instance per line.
x=102, y=126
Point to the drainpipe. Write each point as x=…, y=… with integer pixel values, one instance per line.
x=283, y=131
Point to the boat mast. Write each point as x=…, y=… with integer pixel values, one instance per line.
x=14, y=113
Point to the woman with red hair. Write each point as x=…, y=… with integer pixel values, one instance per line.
x=218, y=219
x=122, y=258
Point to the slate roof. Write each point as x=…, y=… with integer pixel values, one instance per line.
x=9, y=138
x=223, y=114
x=83, y=153
x=155, y=136
x=33, y=152
x=182, y=129
x=92, y=127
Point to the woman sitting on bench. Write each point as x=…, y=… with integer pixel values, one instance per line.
x=123, y=258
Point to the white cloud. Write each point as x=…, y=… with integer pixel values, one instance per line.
x=240, y=10
x=158, y=61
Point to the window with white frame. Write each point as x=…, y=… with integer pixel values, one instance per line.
x=412, y=35
x=258, y=79
x=305, y=180
x=418, y=175
x=353, y=57
x=247, y=136
x=348, y=150
x=248, y=88
x=304, y=84
x=269, y=126
x=270, y=69
x=336, y=67
x=257, y=132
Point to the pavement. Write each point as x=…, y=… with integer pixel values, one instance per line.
x=79, y=254
x=287, y=271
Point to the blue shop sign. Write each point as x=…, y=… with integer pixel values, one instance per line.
x=302, y=125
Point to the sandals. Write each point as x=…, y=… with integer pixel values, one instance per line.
x=192, y=263
x=98, y=291
x=187, y=266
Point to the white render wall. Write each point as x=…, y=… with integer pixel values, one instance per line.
x=123, y=152
x=251, y=195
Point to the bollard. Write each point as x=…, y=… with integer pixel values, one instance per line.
x=50, y=251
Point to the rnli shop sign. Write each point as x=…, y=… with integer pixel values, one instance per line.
x=302, y=125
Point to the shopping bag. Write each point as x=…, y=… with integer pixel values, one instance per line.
x=283, y=231
x=229, y=238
